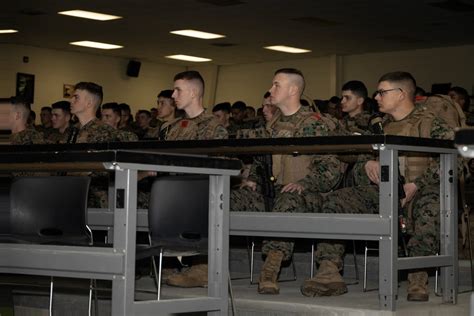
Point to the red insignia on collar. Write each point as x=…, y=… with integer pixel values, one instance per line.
x=317, y=116
x=184, y=123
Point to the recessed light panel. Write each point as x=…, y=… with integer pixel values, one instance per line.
x=90, y=15
x=288, y=49
x=197, y=34
x=9, y=31
x=189, y=58
x=96, y=45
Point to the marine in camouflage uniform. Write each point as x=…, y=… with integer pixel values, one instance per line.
x=202, y=127
x=315, y=173
x=28, y=136
x=59, y=138
x=359, y=124
x=422, y=211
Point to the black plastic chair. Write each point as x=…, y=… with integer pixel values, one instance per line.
x=178, y=219
x=50, y=210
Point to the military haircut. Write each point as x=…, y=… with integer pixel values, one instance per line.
x=193, y=76
x=46, y=108
x=93, y=89
x=165, y=94
x=224, y=107
x=62, y=105
x=403, y=78
x=357, y=87
x=112, y=106
x=295, y=73
x=239, y=105
x=463, y=94
x=146, y=112
x=22, y=106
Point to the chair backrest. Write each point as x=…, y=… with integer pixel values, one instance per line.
x=49, y=208
x=179, y=210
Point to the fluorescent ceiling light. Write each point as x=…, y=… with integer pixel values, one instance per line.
x=90, y=15
x=8, y=31
x=96, y=45
x=288, y=49
x=189, y=58
x=197, y=34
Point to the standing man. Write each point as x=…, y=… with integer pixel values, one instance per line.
x=354, y=94
x=421, y=206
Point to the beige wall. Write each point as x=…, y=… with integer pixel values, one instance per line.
x=249, y=82
x=428, y=66
x=53, y=68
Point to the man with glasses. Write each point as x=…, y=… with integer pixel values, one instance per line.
x=421, y=206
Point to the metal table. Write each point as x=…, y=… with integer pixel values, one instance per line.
x=382, y=227
x=118, y=263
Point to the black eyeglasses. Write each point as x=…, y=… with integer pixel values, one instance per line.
x=383, y=92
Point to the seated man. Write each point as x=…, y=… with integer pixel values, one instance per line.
x=291, y=173
x=61, y=122
x=21, y=133
x=354, y=94
x=421, y=206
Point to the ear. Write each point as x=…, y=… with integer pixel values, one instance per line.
x=360, y=101
x=293, y=89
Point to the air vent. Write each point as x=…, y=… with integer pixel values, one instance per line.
x=223, y=44
x=32, y=12
x=454, y=5
x=315, y=21
x=222, y=3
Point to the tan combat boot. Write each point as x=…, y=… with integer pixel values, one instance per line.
x=196, y=276
x=267, y=283
x=418, y=286
x=327, y=282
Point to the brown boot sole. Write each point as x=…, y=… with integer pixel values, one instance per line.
x=267, y=290
x=331, y=289
x=418, y=297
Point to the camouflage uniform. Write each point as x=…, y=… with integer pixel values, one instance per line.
x=165, y=128
x=28, y=136
x=59, y=138
x=46, y=131
x=422, y=211
x=315, y=173
x=97, y=132
x=357, y=124
x=202, y=127
x=126, y=136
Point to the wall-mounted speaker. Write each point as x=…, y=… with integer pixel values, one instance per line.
x=133, y=68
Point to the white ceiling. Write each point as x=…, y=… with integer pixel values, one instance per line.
x=326, y=27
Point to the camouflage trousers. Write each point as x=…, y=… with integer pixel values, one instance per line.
x=423, y=226
x=246, y=200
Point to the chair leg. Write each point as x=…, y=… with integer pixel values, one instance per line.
x=51, y=287
x=232, y=301
x=311, y=273
x=252, y=261
x=159, y=274
x=89, y=309
x=356, y=268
